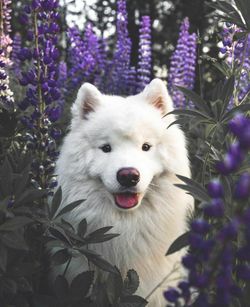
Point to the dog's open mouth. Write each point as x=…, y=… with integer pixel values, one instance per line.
x=126, y=200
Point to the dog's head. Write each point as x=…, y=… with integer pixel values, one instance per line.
x=125, y=140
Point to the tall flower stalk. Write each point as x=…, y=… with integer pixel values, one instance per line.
x=6, y=95
x=182, y=65
x=218, y=266
x=145, y=53
x=237, y=56
x=119, y=68
x=5, y=29
x=41, y=104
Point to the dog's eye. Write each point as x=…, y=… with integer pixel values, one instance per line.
x=106, y=148
x=146, y=147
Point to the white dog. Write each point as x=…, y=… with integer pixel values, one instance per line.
x=122, y=158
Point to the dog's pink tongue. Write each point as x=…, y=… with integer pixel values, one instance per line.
x=126, y=200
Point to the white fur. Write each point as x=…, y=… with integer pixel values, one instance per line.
x=85, y=172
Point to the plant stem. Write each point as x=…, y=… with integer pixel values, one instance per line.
x=67, y=266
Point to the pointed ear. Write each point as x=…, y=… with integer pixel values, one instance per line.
x=156, y=94
x=88, y=99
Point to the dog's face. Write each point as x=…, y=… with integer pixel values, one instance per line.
x=123, y=138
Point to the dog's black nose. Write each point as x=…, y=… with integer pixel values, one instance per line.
x=128, y=177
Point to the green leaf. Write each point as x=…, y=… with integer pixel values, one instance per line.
x=61, y=287
x=20, y=184
x=223, y=68
x=198, y=101
x=192, y=113
x=179, y=243
x=114, y=286
x=244, y=7
x=102, y=264
x=66, y=225
x=99, y=231
x=230, y=114
x=14, y=240
x=131, y=283
x=3, y=258
x=179, y=121
x=59, y=233
x=101, y=238
x=227, y=93
x=60, y=257
x=133, y=301
x=6, y=179
x=81, y=284
x=82, y=228
x=15, y=223
x=56, y=201
x=30, y=195
x=231, y=14
x=69, y=207
x=194, y=188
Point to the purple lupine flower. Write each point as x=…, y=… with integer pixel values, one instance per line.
x=145, y=54
x=42, y=100
x=119, y=68
x=219, y=264
x=5, y=40
x=85, y=56
x=16, y=48
x=237, y=55
x=182, y=65
x=6, y=95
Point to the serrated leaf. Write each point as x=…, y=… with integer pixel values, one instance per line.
x=82, y=228
x=60, y=257
x=81, y=284
x=69, y=207
x=114, y=286
x=131, y=283
x=61, y=287
x=179, y=243
x=56, y=201
x=15, y=223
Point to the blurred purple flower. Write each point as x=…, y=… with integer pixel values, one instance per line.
x=16, y=48
x=182, y=65
x=145, y=57
x=216, y=254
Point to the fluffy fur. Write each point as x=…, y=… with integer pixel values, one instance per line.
x=86, y=172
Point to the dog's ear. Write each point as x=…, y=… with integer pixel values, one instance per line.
x=156, y=94
x=88, y=99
